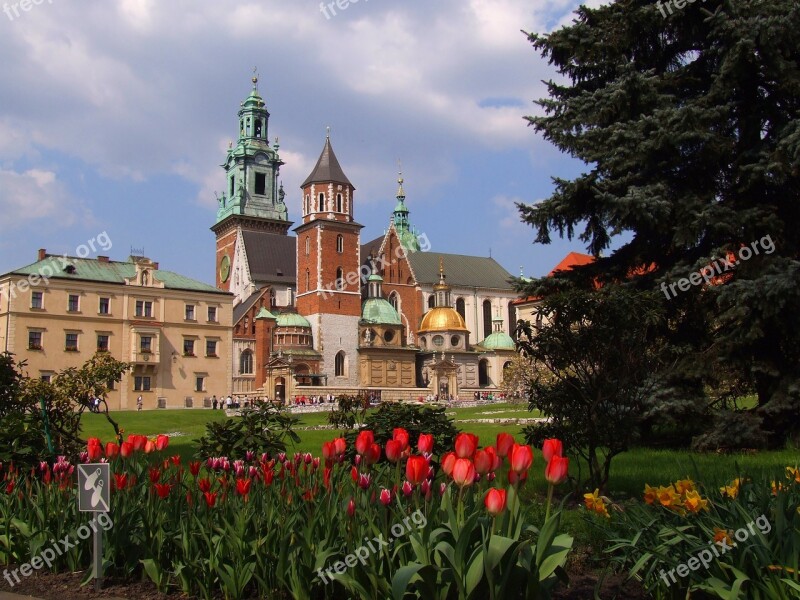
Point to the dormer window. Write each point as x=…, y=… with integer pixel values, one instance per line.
x=70, y=269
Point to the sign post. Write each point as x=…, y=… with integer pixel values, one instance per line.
x=94, y=495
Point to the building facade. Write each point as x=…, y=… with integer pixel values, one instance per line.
x=174, y=331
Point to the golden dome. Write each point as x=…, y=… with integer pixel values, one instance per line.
x=442, y=318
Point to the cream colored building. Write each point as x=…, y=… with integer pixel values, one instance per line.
x=176, y=332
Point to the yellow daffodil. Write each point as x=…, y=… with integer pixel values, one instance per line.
x=668, y=497
x=595, y=503
x=732, y=490
x=684, y=485
x=694, y=503
x=721, y=534
x=650, y=494
x=776, y=486
x=793, y=473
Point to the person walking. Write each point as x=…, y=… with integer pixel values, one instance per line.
x=214, y=402
x=139, y=403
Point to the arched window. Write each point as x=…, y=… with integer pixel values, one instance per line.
x=258, y=128
x=321, y=202
x=246, y=324
x=338, y=203
x=308, y=281
x=461, y=308
x=340, y=242
x=340, y=364
x=246, y=363
x=339, y=279
x=487, y=318
x=483, y=373
x=307, y=205
x=431, y=300
x=308, y=245
x=394, y=300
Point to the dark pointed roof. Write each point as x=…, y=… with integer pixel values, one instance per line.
x=327, y=169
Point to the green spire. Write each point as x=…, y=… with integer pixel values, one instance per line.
x=252, y=166
x=408, y=238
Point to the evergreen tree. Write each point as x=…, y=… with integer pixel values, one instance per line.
x=687, y=120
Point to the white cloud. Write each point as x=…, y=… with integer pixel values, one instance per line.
x=37, y=195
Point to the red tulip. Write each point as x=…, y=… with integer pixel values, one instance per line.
x=464, y=472
x=551, y=447
x=163, y=489
x=125, y=449
x=394, y=450
x=386, y=497
x=138, y=441
x=194, y=468
x=408, y=489
x=162, y=441
x=364, y=441
x=521, y=458
x=149, y=447
x=373, y=454
x=466, y=444
x=495, y=501
x=354, y=474
x=425, y=443
x=448, y=461
x=328, y=451
x=556, y=470
x=400, y=435
x=514, y=477
x=483, y=462
x=211, y=499
x=155, y=474
x=496, y=459
x=204, y=485
x=416, y=469
x=505, y=441
x=94, y=449
x=363, y=480
x=339, y=445
x=351, y=508
x=243, y=486
x=120, y=480
x=112, y=449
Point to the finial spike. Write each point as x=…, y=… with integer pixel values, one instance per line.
x=328, y=132
x=255, y=78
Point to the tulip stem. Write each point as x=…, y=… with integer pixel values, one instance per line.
x=549, y=502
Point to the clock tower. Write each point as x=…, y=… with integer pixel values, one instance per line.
x=253, y=198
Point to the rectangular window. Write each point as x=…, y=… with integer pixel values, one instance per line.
x=37, y=300
x=105, y=306
x=188, y=347
x=212, y=314
x=232, y=188
x=190, y=312
x=261, y=184
x=145, y=344
x=71, y=342
x=111, y=385
x=73, y=305
x=200, y=384
x=46, y=378
x=144, y=308
x=211, y=347
x=102, y=342
x=34, y=340
x=141, y=383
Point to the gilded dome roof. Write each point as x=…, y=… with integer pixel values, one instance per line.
x=442, y=318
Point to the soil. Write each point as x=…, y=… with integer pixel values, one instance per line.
x=67, y=586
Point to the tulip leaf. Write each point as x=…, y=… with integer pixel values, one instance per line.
x=402, y=579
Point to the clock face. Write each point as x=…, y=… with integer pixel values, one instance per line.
x=225, y=268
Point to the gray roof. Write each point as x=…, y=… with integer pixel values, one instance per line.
x=327, y=169
x=240, y=309
x=271, y=257
x=460, y=270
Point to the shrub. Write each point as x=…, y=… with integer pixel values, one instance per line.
x=261, y=429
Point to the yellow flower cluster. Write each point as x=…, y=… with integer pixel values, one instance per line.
x=596, y=503
x=731, y=491
x=793, y=473
x=681, y=496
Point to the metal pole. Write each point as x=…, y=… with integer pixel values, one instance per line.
x=98, y=557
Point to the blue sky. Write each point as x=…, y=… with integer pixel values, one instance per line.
x=115, y=116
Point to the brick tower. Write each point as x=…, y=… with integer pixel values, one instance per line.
x=328, y=260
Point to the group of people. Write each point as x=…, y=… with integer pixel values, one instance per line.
x=304, y=400
x=235, y=402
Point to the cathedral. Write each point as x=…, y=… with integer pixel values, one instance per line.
x=322, y=312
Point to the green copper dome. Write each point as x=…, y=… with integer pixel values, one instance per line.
x=380, y=312
x=292, y=320
x=499, y=340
